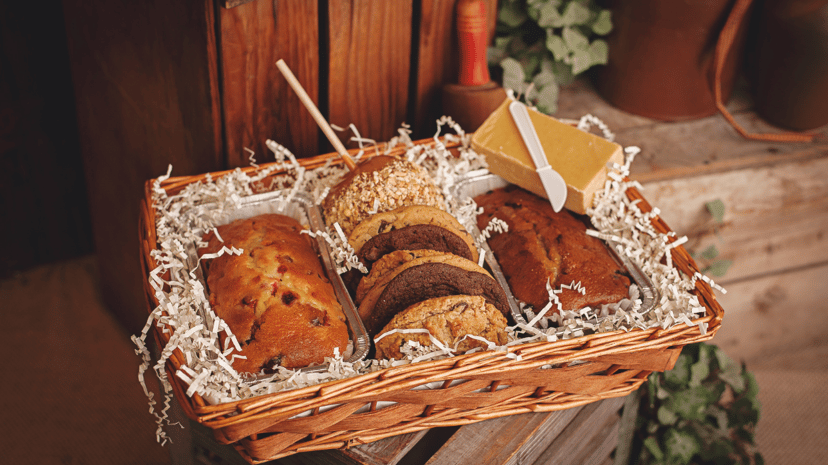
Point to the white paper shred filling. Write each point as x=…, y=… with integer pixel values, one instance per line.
x=185, y=217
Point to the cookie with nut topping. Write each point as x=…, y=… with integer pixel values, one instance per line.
x=379, y=184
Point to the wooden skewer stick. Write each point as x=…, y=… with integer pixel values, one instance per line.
x=320, y=120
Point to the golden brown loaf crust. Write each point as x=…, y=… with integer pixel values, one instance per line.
x=448, y=319
x=543, y=245
x=275, y=296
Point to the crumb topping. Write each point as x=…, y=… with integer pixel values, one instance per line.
x=398, y=183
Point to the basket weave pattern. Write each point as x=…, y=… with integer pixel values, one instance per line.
x=533, y=377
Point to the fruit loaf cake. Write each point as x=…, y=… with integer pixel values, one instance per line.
x=275, y=296
x=542, y=246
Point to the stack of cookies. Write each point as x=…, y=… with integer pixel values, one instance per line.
x=422, y=266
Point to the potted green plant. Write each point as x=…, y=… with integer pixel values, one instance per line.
x=540, y=45
x=704, y=410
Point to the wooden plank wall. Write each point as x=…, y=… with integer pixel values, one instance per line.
x=194, y=85
x=41, y=178
x=374, y=64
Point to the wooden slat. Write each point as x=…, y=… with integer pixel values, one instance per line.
x=41, y=173
x=437, y=58
x=775, y=314
x=387, y=451
x=776, y=216
x=145, y=99
x=585, y=438
x=369, y=66
x=258, y=102
x=508, y=440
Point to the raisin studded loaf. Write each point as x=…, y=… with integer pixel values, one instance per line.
x=544, y=246
x=275, y=296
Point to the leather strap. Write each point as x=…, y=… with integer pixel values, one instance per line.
x=723, y=48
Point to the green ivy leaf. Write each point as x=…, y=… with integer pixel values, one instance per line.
x=699, y=371
x=563, y=73
x=679, y=376
x=720, y=415
x=548, y=98
x=513, y=77
x=495, y=55
x=719, y=451
x=598, y=52
x=744, y=412
x=545, y=76
x=549, y=16
x=556, y=45
x=603, y=23
x=691, y=403
x=511, y=14
x=716, y=209
x=652, y=446
x=729, y=371
x=682, y=445
x=574, y=39
x=575, y=14
x=718, y=268
x=581, y=61
x=710, y=253
x=666, y=416
x=751, y=386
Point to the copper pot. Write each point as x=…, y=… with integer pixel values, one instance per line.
x=660, y=62
x=788, y=58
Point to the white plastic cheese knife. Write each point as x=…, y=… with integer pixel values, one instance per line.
x=553, y=183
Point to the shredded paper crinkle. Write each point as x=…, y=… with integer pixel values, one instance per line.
x=194, y=329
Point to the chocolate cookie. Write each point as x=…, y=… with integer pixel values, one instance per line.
x=428, y=280
x=449, y=320
x=452, y=238
x=415, y=237
x=391, y=264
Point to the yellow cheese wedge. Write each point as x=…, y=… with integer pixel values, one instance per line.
x=579, y=157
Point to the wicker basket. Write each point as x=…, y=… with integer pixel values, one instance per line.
x=607, y=365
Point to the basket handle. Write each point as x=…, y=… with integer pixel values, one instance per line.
x=723, y=48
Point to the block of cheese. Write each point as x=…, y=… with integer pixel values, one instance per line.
x=579, y=157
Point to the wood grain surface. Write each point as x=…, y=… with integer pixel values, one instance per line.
x=369, y=66
x=145, y=100
x=258, y=103
x=42, y=189
x=436, y=57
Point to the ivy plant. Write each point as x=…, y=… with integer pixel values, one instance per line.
x=708, y=257
x=543, y=44
x=704, y=410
